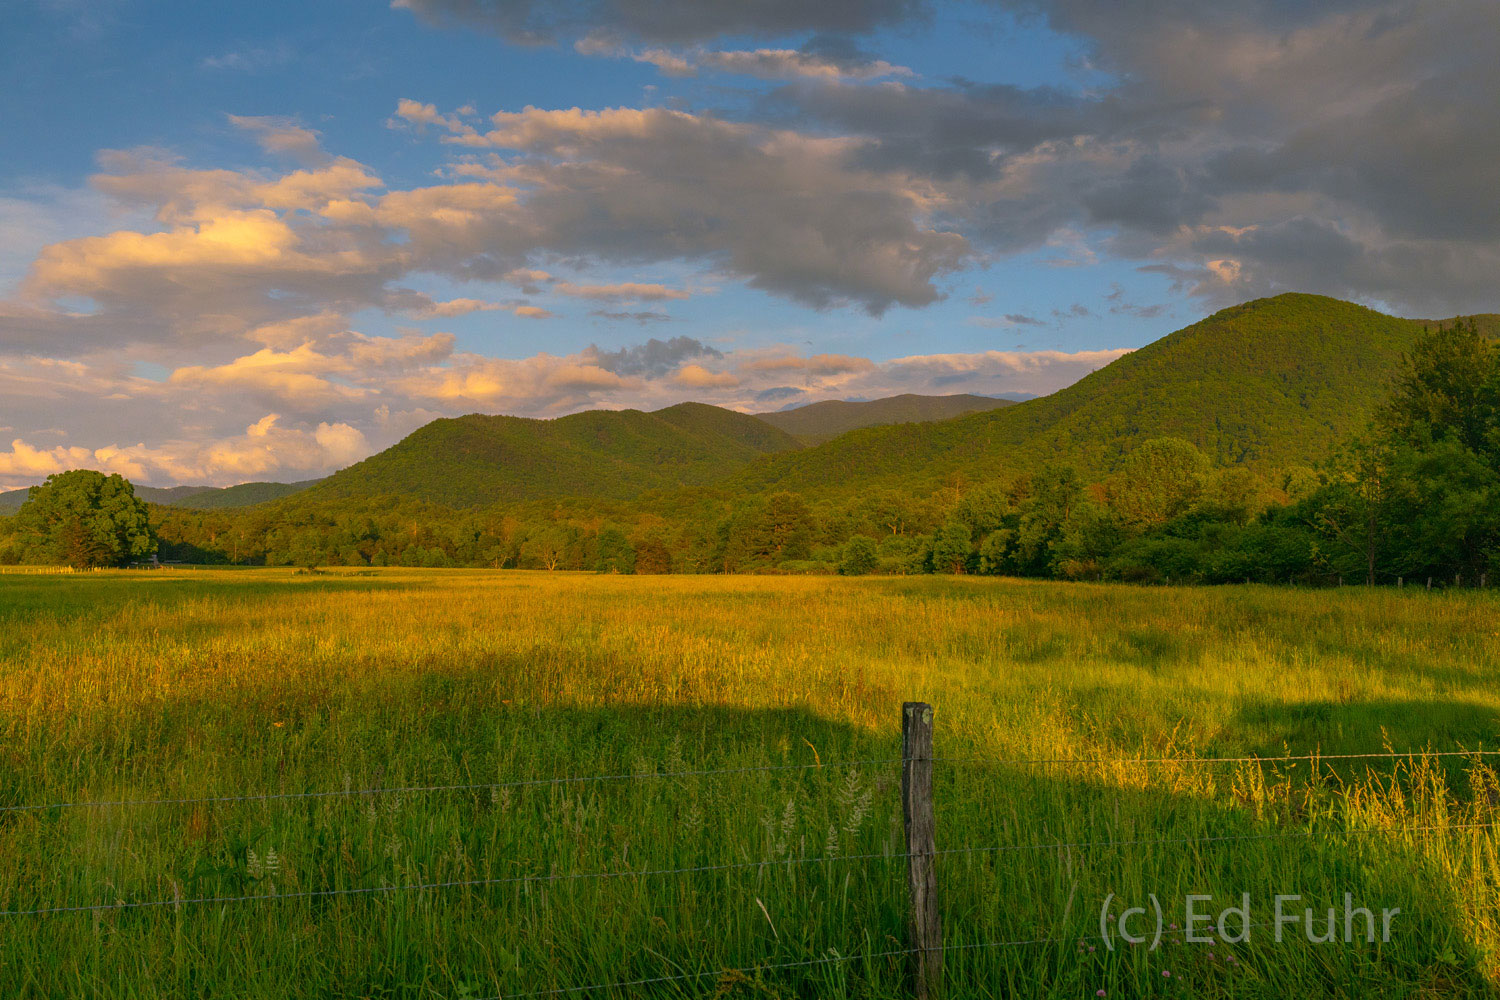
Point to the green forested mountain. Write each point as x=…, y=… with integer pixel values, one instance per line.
x=818, y=422
x=1268, y=384
x=243, y=495
x=476, y=460
x=11, y=500
x=193, y=497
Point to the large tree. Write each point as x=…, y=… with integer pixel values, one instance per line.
x=85, y=519
x=1449, y=389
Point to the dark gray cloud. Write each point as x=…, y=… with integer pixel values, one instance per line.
x=778, y=392
x=1350, y=147
x=666, y=21
x=654, y=357
x=641, y=316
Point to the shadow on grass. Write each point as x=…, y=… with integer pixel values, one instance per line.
x=773, y=854
x=1362, y=726
x=1071, y=837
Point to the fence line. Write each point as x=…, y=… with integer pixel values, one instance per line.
x=924, y=947
x=1386, y=754
x=481, y=786
x=736, y=866
x=465, y=883
x=535, y=782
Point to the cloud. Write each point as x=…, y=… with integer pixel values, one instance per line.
x=296, y=377
x=422, y=115
x=818, y=364
x=790, y=213
x=668, y=21
x=766, y=64
x=249, y=60
x=264, y=449
x=238, y=250
x=642, y=317
x=1008, y=320
x=622, y=290
x=654, y=357
x=282, y=136
x=698, y=377
x=456, y=307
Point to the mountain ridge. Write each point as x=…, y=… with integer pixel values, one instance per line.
x=1268, y=383
x=814, y=423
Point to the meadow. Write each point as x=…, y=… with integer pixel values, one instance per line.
x=124, y=688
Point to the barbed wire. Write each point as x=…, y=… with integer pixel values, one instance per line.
x=463, y=883
x=647, y=775
x=1386, y=754
x=734, y=866
x=414, y=789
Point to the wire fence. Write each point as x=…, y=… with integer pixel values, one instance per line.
x=179, y=901
x=712, y=772
x=925, y=855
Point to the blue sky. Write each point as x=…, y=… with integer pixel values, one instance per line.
x=263, y=240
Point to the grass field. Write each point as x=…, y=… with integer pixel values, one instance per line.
x=177, y=684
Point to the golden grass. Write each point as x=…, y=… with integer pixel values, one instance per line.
x=175, y=683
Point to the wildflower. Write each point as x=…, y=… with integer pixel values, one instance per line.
x=1100, y=993
x=278, y=725
x=1166, y=973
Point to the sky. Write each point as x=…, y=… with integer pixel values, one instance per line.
x=263, y=241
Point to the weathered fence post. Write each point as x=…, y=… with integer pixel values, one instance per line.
x=924, y=930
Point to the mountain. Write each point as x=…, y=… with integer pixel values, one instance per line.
x=243, y=495
x=11, y=500
x=195, y=497
x=476, y=460
x=1269, y=383
x=814, y=423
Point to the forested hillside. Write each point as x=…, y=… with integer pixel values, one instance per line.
x=476, y=460
x=243, y=495
x=1271, y=383
x=818, y=422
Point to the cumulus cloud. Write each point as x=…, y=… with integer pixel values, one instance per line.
x=264, y=449
x=792, y=213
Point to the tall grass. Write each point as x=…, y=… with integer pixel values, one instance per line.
x=131, y=686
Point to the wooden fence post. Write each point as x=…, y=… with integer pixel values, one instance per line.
x=925, y=933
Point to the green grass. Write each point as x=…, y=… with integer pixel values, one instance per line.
x=185, y=684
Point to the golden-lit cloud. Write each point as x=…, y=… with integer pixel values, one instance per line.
x=264, y=449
